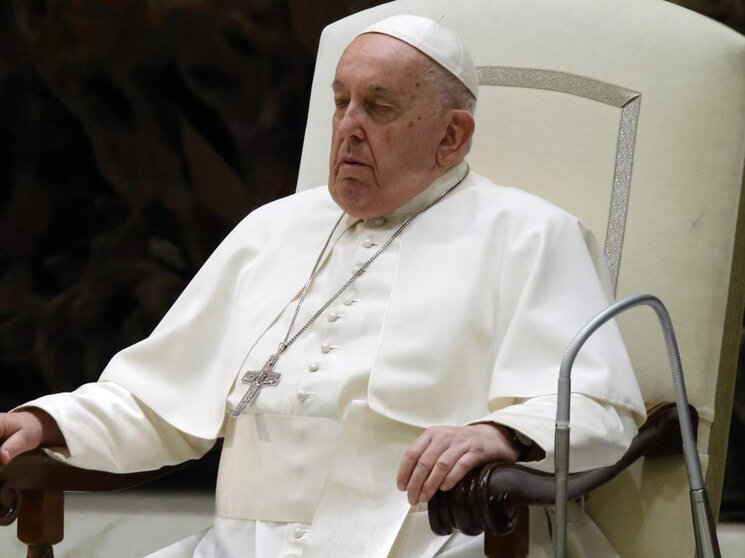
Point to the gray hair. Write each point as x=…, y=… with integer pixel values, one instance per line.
x=452, y=92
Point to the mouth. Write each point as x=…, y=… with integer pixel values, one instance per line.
x=349, y=161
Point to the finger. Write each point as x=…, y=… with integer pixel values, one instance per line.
x=467, y=462
x=5, y=431
x=441, y=471
x=16, y=444
x=5, y=456
x=410, y=459
x=423, y=468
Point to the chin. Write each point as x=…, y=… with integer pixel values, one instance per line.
x=353, y=197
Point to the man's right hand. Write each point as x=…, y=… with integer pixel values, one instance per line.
x=27, y=430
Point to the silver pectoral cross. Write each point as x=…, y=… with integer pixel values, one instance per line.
x=257, y=380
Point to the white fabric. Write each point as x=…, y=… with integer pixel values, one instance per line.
x=92, y=403
x=531, y=252
x=107, y=429
x=229, y=537
x=288, y=451
x=436, y=41
x=526, y=277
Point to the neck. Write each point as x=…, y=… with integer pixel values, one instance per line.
x=438, y=185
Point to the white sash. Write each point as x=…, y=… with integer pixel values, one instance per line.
x=338, y=476
x=361, y=511
x=274, y=467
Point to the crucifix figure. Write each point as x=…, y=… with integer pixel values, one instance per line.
x=257, y=380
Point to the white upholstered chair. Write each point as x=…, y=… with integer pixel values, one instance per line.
x=631, y=115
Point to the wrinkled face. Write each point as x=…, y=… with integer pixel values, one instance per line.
x=386, y=126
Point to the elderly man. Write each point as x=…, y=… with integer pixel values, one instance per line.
x=425, y=341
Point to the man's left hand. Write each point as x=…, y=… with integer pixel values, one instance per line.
x=442, y=456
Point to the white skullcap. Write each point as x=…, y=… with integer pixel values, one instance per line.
x=436, y=41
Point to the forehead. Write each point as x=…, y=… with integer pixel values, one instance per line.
x=376, y=59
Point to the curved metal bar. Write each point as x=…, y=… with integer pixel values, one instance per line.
x=693, y=465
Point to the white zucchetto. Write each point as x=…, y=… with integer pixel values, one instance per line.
x=436, y=41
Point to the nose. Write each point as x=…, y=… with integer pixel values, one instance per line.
x=351, y=122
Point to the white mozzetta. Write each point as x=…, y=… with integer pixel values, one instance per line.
x=491, y=283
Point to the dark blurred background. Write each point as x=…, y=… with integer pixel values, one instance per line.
x=134, y=135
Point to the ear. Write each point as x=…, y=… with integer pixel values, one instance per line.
x=456, y=141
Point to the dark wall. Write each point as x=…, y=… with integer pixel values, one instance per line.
x=134, y=137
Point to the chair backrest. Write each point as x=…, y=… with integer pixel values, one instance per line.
x=631, y=115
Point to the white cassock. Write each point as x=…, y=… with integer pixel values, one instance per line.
x=463, y=318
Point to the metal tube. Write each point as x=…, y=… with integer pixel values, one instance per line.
x=703, y=520
x=561, y=455
x=704, y=529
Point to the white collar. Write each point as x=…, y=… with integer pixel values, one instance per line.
x=429, y=194
x=419, y=201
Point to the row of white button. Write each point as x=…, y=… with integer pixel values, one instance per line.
x=333, y=315
x=367, y=243
x=326, y=348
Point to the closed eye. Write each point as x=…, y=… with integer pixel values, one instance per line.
x=377, y=108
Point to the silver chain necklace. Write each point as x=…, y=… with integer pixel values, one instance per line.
x=266, y=376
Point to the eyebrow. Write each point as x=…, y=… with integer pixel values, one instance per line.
x=337, y=84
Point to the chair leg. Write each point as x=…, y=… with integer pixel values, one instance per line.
x=512, y=545
x=40, y=551
x=40, y=522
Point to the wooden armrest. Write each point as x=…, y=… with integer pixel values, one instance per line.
x=488, y=499
x=32, y=488
x=35, y=471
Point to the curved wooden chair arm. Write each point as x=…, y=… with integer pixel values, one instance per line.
x=32, y=488
x=488, y=499
x=35, y=471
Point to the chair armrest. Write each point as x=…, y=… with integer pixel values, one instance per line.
x=36, y=472
x=487, y=499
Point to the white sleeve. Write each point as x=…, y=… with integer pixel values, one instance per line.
x=106, y=428
x=600, y=433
